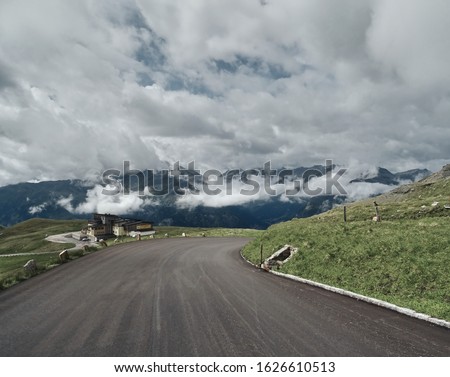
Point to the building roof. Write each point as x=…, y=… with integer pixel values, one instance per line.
x=117, y=221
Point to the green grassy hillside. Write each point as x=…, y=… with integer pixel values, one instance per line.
x=12, y=272
x=404, y=259
x=423, y=199
x=29, y=235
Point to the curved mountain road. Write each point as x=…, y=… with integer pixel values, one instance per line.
x=196, y=297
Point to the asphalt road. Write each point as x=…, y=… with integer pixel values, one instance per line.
x=196, y=297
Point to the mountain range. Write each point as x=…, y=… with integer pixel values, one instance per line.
x=385, y=177
x=68, y=199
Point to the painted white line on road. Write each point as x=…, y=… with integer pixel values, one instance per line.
x=357, y=296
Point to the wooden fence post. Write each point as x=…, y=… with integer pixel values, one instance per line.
x=261, y=255
x=377, y=212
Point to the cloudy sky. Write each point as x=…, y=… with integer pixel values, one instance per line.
x=87, y=84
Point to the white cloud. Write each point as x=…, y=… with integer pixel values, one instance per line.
x=409, y=39
x=66, y=203
x=97, y=202
x=85, y=85
x=33, y=210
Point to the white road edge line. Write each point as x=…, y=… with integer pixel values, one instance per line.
x=357, y=296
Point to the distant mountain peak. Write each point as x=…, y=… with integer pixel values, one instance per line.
x=384, y=176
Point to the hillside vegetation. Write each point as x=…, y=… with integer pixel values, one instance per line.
x=404, y=259
x=29, y=235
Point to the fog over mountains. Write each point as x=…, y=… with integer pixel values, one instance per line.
x=195, y=203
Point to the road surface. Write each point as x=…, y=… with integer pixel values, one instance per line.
x=196, y=297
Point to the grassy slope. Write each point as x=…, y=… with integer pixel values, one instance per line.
x=413, y=201
x=26, y=237
x=12, y=272
x=405, y=259
x=29, y=235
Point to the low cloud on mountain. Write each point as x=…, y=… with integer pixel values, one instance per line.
x=97, y=202
x=238, y=193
